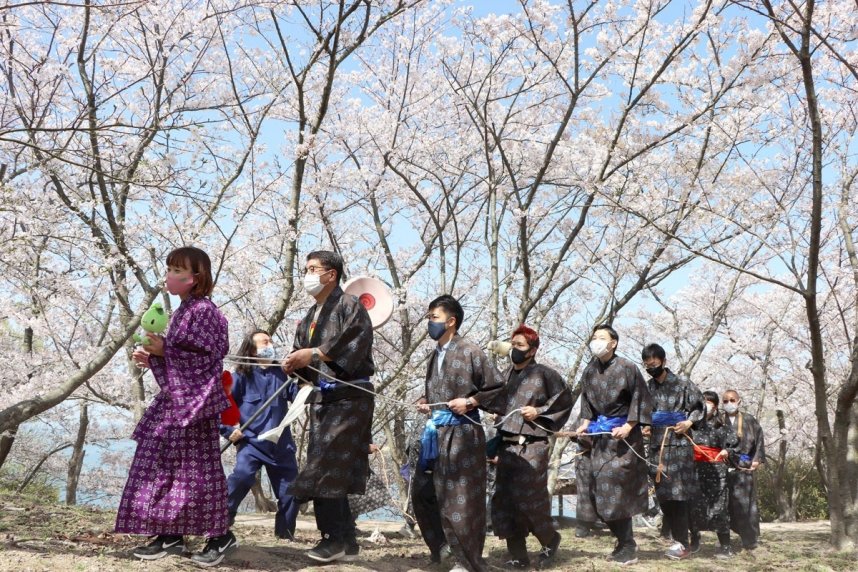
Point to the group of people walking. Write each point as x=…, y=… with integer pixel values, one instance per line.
x=700, y=462
x=177, y=487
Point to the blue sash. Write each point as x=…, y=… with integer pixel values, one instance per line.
x=667, y=418
x=604, y=424
x=327, y=386
x=429, y=439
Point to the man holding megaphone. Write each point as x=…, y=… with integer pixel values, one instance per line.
x=334, y=338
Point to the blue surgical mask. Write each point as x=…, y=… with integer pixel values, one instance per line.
x=267, y=352
x=436, y=330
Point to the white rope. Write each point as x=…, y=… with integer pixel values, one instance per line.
x=249, y=360
x=405, y=404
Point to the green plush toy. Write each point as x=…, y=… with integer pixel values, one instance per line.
x=154, y=321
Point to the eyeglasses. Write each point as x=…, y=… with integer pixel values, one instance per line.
x=315, y=270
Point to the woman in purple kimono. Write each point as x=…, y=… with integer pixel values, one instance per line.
x=176, y=484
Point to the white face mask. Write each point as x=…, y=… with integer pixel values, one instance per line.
x=731, y=408
x=709, y=408
x=313, y=284
x=599, y=348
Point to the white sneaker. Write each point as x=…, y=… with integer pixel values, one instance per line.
x=458, y=568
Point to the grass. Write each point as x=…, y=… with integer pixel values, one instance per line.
x=45, y=536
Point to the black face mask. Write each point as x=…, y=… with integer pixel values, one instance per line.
x=518, y=356
x=655, y=371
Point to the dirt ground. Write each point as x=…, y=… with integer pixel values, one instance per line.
x=55, y=538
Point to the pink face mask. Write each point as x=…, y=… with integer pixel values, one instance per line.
x=179, y=285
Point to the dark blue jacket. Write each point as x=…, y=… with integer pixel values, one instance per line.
x=250, y=391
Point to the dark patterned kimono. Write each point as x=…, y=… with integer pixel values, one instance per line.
x=341, y=416
x=521, y=503
x=585, y=511
x=176, y=484
x=456, y=513
x=678, y=480
x=709, y=509
x=749, y=445
x=618, y=484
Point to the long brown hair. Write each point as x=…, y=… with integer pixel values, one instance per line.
x=248, y=349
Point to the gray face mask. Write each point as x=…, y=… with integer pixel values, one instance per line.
x=731, y=408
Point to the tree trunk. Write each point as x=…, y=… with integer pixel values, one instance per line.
x=78, y=452
x=263, y=503
x=554, y=462
x=835, y=463
x=851, y=479
x=783, y=492
x=7, y=439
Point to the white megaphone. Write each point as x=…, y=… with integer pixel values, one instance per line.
x=500, y=348
x=375, y=296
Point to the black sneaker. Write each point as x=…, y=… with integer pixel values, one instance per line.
x=516, y=564
x=724, y=552
x=615, y=551
x=215, y=550
x=546, y=556
x=161, y=546
x=443, y=555
x=626, y=556
x=582, y=532
x=694, y=547
x=327, y=550
x=352, y=550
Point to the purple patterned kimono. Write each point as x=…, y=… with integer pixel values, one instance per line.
x=176, y=484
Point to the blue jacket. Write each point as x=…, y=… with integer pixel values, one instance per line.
x=250, y=391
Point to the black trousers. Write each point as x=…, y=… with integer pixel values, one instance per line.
x=676, y=516
x=334, y=518
x=622, y=530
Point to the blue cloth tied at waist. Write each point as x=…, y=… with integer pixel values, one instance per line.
x=604, y=424
x=429, y=439
x=745, y=459
x=667, y=418
x=326, y=385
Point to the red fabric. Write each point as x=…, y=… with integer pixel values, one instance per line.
x=230, y=415
x=704, y=454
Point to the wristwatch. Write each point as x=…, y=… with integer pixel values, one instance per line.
x=469, y=403
x=315, y=355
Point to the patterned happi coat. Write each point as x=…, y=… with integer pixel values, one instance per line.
x=456, y=513
x=709, y=508
x=521, y=503
x=337, y=464
x=618, y=476
x=678, y=480
x=176, y=484
x=585, y=510
x=746, y=437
